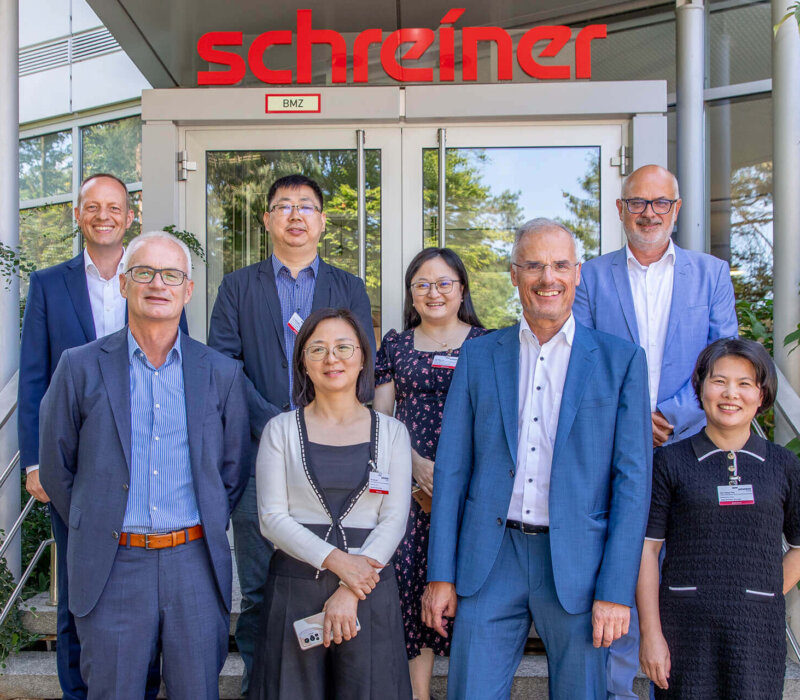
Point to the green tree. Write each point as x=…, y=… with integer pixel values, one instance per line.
x=584, y=208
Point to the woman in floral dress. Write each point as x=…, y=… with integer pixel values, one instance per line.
x=413, y=371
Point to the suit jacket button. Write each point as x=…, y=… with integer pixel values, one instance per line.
x=499, y=521
x=284, y=364
x=124, y=487
x=511, y=473
x=115, y=534
x=286, y=407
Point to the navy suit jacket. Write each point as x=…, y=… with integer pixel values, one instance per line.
x=702, y=311
x=600, y=477
x=85, y=460
x=247, y=325
x=58, y=316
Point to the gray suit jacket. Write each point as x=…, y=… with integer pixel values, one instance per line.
x=85, y=454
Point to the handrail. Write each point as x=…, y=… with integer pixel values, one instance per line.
x=18, y=589
x=787, y=403
x=12, y=465
x=17, y=525
x=8, y=398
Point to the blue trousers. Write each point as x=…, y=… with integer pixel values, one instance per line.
x=623, y=662
x=492, y=626
x=165, y=598
x=253, y=553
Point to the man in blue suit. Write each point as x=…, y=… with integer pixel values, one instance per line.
x=147, y=434
x=672, y=302
x=541, y=487
x=71, y=304
x=258, y=312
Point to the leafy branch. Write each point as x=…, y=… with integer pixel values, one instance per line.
x=14, y=263
x=794, y=11
x=189, y=239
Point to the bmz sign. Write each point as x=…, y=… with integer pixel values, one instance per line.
x=402, y=68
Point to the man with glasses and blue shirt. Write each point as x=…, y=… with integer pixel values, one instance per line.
x=257, y=314
x=673, y=302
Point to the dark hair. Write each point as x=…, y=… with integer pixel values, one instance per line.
x=750, y=350
x=128, y=203
x=293, y=182
x=303, y=388
x=466, y=311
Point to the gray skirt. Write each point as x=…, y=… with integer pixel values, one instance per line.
x=371, y=665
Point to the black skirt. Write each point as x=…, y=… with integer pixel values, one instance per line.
x=371, y=665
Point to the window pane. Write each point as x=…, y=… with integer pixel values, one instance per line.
x=488, y=199
x=45, y=235
x=740, y=43
x=136, y=226
x=115, y=148
x=45, y=165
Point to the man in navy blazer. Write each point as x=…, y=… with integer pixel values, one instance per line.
x=147, y=435
x=256, y=316
x=673, y=302
x=68, y=305
x=541, y=487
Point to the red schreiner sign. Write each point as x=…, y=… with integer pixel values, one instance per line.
x=420, y=40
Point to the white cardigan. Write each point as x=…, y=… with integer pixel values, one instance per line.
x=286, y=498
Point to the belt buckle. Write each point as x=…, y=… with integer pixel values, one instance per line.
x=147, y=542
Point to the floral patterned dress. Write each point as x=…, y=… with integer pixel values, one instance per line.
x=420, y=393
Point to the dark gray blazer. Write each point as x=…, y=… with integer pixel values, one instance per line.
x=246, y=324
x=85, y=458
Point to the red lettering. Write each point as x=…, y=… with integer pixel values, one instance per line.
x=447, y=51
x=470, y=36
x=422, y=39
x=307, y=37
x=583, y=49
x=255, y=57
x=559, y=36
x=361, y=53
x=205, y=47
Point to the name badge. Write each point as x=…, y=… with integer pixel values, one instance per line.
x=740, y=495
x=295, y=323
x=444, y=361
x=378, y=482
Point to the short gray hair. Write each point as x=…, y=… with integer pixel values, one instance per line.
x=138, y=241
x=538, y=225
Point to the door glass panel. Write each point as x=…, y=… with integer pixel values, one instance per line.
x=236, y=193
x=491, y=192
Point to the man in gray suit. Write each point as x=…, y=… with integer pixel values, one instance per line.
x=147, y=436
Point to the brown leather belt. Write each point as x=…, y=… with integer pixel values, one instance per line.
x=161, y=540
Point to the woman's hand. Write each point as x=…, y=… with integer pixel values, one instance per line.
x=340, y=617
x=422, y=470
x=654, y=658
x=360, y=573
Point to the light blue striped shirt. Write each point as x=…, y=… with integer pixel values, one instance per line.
x=161, y=494
x=295, y=296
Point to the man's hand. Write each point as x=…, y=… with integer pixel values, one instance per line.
x=422, y=471
x=655, y=660
x=661, y=428
x=609, y=622
x=34, y=487
x=439, y=601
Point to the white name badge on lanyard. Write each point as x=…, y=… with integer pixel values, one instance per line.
x=378, y=482
x=444, y=361
x=740, y=495
x=295, y=323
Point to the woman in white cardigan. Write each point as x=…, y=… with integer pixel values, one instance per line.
x=333, y=480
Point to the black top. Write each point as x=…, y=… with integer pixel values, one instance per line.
x=339, y=470
x=723, y=547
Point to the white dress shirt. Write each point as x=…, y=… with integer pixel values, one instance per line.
x=651, y=287
x=542, y=371
x=108, y=305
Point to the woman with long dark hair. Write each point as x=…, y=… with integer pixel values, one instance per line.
x=413, y=372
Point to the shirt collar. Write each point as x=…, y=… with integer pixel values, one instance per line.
x=90, y=268
x=133, y=346
x=669, y=254
x=567, y=331
x=277, y=266
x=703, y=447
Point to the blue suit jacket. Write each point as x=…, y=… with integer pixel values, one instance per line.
x=58, y=316
x=702, y=311
x=85, y=462
x=247, y=325
x=600, y=477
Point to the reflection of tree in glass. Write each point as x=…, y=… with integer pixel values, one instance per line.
x=45, y=235
x=584, y=221
x=114, y=147
x=45, y=165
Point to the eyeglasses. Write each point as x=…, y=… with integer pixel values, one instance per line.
x=342, y=351
x=659, y=206
x=169, y=276
x=443, y=286
x=561, y=267
x=286, y=209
